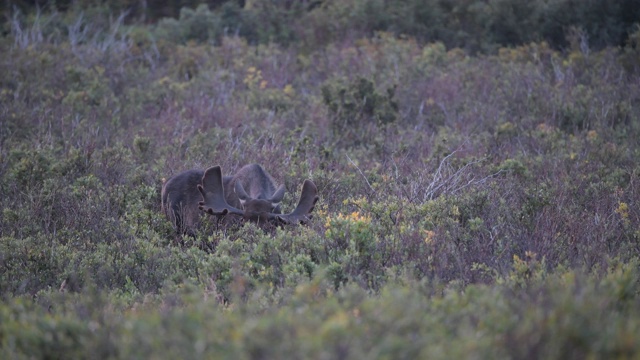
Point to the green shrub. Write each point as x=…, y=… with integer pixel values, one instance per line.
x=470, y=205
x=358, y=109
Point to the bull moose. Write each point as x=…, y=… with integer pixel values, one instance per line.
x=250, y=195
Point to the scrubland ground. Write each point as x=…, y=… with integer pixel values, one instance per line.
x=477, y=199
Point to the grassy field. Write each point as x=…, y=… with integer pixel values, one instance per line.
x=472, y=204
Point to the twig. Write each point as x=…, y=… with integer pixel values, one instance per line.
x=364, y=177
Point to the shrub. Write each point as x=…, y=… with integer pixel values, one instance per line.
x=358, y=109
x=467, y=202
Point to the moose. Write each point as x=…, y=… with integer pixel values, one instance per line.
x=249, y=195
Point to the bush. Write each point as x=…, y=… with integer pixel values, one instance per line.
x=358, y=109
x=467, y=202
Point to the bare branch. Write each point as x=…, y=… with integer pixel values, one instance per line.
x=364, y=177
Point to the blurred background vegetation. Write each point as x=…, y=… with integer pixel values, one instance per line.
x=477, y=163
x=475, y=26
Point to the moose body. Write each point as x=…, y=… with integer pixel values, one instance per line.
x=250, y=194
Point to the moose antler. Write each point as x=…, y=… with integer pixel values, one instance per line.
x=212, y=190
x=308, y=199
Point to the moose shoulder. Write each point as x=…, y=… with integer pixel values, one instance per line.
x=250, y=194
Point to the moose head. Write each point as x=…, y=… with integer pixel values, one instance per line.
x=260, y=204
x=249, y=195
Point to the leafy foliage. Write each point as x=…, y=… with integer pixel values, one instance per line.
x=358, y=109
x=472, y=205
x=476, y=26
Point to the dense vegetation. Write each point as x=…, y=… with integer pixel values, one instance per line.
x=472, y=25
x=478, y=200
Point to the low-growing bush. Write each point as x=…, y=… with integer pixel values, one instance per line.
x=471, y=205
x=566, y=314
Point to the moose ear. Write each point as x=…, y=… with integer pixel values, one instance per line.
x=278, y=195
x=242, y=195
